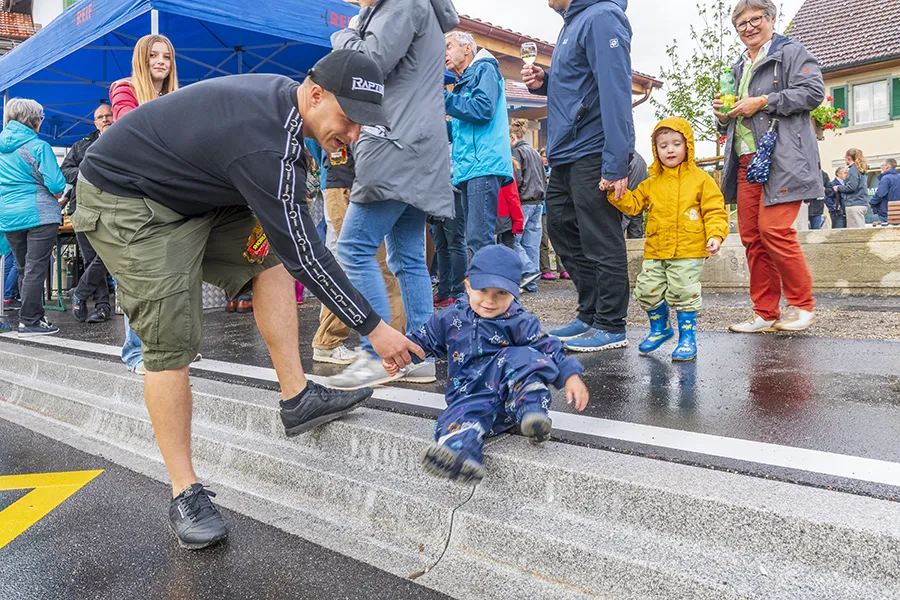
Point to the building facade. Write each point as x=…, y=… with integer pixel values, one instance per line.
x=857, y=44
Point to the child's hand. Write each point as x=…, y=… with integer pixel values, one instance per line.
x=713, y=246
x=576, y=391
x=390, y=367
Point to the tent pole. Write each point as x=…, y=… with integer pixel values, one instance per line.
x=154, y=22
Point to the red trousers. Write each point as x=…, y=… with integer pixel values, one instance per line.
x=773, y=253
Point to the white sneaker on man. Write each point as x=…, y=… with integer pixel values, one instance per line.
x=421, y=373
x=365, y=371
x=339, y=355
x=795, y=319
x=756, y=324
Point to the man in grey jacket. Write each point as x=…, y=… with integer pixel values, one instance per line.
x=402, y=172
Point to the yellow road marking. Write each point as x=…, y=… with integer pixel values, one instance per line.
x=49, y=490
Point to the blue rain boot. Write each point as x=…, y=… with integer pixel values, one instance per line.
x=660, y=330
x=687, y=337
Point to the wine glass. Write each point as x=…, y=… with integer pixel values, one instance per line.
x=529, y=52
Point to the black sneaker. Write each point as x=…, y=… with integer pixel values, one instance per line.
x=79, y=308
x=12, y=304
x=195, y=520
x=42, y=327
x=100, y=314
x=318, y=406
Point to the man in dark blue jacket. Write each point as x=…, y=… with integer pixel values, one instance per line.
x=482, y=159
x=590, y=139
x=888, y=190
x=835, y=202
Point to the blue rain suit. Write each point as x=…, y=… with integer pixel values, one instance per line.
x=498, y=370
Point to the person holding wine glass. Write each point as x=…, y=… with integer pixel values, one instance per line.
x=590, y=140
x=477, y=107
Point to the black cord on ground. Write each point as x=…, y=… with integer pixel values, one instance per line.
x=417, y=574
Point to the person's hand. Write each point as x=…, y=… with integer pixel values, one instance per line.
x=390, y=367
x=577, y=392
x=354, y=22
x=533, y=76
x=392, y=346
x=713, y=246
x=717, y=109
x=835, y=188
x=747, y=107
x=618, y=186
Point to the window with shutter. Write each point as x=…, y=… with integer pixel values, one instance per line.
x=895, y=98
x=840, y=101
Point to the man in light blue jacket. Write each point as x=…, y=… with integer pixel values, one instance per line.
x=482, y=157
x=30, y=185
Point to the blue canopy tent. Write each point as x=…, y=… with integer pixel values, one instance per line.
x=69, y=65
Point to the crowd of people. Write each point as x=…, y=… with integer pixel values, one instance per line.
x=338, y=182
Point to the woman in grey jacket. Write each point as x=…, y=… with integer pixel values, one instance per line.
x=855, y=190
x=777, y=79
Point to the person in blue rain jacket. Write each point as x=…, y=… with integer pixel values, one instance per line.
x=500, y=363
x=30, y=184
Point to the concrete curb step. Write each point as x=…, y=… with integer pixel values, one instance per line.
x=631, y=562
x=558, y=521
x=393, y=513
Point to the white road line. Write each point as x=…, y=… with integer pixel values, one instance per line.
x=814, y=461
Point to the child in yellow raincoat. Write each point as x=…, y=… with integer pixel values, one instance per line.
x=686, y=223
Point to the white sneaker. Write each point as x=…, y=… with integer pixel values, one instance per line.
x=340, y=355
x=365, y=371
x=795, y=319
x=420, y=373
x=755, y=325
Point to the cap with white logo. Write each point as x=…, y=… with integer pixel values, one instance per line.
x=357, y=82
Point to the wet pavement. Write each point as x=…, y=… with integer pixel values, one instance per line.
x=110, y=540
x=833, y=395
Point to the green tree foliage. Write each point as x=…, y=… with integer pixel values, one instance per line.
x=691, y=82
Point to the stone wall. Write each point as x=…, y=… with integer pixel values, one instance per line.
x=852, y=261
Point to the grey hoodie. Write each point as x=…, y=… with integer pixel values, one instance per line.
x=409, y=163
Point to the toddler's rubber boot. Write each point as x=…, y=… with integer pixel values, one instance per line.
x=536, y=426
x=660, y=330
x=442, y=461
x=687, y=337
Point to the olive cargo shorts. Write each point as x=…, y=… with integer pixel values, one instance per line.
x=160, y=258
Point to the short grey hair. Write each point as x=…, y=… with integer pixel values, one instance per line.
x=891, y=163
x=464, y=38
x=767, y=6
x=24, y=110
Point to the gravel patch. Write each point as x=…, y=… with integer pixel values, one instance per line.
x=837, y=316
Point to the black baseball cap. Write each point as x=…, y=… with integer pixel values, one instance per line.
x=357, y=82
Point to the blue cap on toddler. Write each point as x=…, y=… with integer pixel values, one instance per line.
x=496, y=267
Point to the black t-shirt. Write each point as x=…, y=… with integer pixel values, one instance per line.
x=229, y=141
x=340, y=168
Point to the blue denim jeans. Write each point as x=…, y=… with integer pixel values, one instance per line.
x=528, y=245
x=131, y=349
x=10, y=276
x=450, y=252
x=402, y=228
x=479, y=201
x=816, y=222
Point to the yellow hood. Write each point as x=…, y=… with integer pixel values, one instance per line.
x=684, y=128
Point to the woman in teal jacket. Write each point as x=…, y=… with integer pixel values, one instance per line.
x=30, y=185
